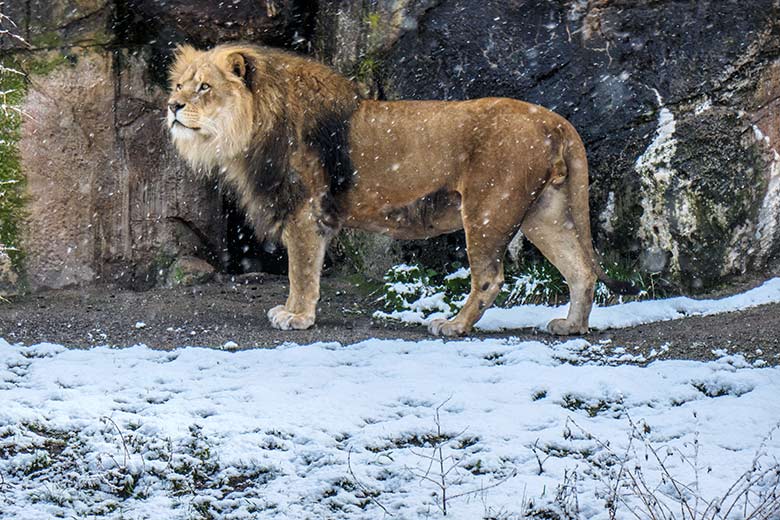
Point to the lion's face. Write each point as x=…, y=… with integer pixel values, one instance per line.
x=209, y=113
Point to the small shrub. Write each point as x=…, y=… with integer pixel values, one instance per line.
x=425, y=291
x=411, y=287
x=533, y=283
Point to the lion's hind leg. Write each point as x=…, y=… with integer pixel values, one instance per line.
x=306, y=244
x=548, y=225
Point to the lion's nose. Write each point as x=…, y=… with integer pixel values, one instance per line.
x=175, y=106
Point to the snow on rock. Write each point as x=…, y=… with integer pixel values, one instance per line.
x=656, y=173
x=327, y=431
x=768, y=222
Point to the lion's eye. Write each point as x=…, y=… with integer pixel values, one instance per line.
x=178, y=86
x=204, y=87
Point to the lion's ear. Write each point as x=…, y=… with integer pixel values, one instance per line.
x=237, y=64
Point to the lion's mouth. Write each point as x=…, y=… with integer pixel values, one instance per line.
x=177, y=122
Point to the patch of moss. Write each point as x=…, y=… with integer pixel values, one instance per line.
x=372, y=20
x=178, y=274
x=55, y=40
x=367, y=69
x=364, y=285
x=101, y=38
x=41, y=64
x=369, y=66
x=48, y=39
x=162, y=261
x=13, y=87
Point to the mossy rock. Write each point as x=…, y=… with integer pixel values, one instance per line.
x=369, y=254
x=721, y=178
x=189, y=270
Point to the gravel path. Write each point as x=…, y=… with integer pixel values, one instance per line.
x=234, y=310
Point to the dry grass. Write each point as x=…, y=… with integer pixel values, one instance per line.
x=661, y=494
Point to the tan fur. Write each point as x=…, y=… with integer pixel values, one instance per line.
x=422, y=168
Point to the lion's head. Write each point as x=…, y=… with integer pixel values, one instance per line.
x=210, y=110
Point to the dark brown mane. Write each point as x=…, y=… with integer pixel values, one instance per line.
x=321, y=121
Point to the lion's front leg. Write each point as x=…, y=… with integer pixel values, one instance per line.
x=306, y=246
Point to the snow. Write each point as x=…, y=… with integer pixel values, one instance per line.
x=612, y=316
x=331, y=431
x=656, y=158
x=769, y=212
x=656, y=174
x=703, y=106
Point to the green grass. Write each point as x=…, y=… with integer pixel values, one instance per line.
x=13, y=87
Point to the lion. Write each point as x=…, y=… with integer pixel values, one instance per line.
x=306, y=155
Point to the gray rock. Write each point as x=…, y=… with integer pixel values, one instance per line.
x=370, y=254
x=106, y=192
x=9, y=279
x=189, y=270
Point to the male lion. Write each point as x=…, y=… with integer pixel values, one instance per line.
x=305, y=155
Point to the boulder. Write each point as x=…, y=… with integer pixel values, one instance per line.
x=190, y=270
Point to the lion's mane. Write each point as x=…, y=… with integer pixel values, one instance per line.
x=294, y=105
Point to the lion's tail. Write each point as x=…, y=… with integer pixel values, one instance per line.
x=577, y=172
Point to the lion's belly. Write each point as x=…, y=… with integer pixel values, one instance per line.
x=431, y=215
x=414, y=159
x=408, y=169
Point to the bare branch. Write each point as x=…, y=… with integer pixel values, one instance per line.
x=367, y=492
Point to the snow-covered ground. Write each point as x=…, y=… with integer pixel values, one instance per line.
x=332, y=431
x=603, y=317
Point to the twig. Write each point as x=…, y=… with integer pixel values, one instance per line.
x=105, y=418
x=447, y=465
x=756, y=491
x=367, y=492
x=535, y=448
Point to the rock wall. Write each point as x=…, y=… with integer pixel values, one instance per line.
x=678, y=104
x=106, y=196
x=107, y=200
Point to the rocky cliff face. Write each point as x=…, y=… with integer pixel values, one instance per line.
x=677, y=103
x=672, y=100
x=107, y=200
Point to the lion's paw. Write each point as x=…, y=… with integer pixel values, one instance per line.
x=282, y=319
x=443, y=327
x=563, y=327
x=276, y=310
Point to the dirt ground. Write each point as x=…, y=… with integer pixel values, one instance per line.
x=233, y=309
